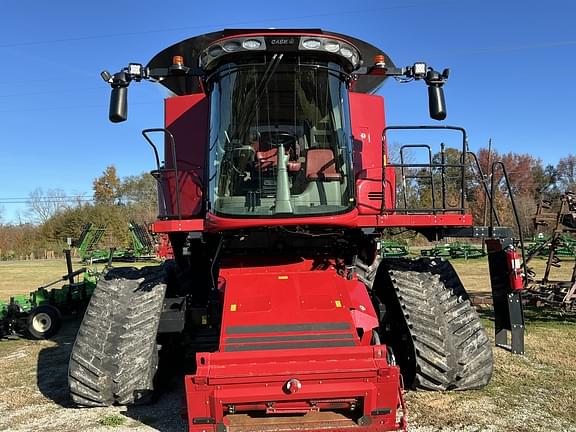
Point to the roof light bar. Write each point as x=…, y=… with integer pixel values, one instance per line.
x=228, y=46
x=292, y=43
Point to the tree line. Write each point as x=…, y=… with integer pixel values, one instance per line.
x=53, y=217
x=529, y=181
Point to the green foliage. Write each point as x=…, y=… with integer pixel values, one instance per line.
x=69, y=223
x=117, y=202
x=139, y=195
x=112, y=420
x=107, y=187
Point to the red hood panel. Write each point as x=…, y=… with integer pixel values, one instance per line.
x=286, y=310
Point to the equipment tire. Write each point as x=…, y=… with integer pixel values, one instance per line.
x=115, y=355
x=432, y=327
x=44, y=322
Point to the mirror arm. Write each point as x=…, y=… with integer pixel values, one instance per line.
x=120, y=81
x=419, y=71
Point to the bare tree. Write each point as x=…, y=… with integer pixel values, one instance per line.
x=566, y=169
x=43, y=205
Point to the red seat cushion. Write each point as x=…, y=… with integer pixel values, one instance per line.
x=320, y=165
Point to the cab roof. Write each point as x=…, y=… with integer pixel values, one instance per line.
x=191, y=48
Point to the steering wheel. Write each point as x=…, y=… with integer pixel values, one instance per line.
x=276, y=138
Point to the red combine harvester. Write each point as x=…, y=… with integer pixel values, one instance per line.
x=274, y=191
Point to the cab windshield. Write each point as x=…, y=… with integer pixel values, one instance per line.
x=280, y=140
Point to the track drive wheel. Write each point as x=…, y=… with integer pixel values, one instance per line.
x=436, y=335
x=44, y=322
x=115, y=356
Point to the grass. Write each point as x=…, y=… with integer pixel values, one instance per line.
x=533, y=392
x=22, y=277
x=112, y=420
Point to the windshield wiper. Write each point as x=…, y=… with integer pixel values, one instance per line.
x=251, y=105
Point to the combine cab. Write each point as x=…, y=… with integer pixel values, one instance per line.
x=274, y=192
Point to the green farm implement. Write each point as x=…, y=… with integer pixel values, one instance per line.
x=564, y=246
x=142, y=247
x=39, y=313
x=390, y=248
x=454, y=250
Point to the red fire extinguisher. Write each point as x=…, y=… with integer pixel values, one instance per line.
x=514, y=270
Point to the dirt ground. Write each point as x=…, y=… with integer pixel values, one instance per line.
x=534, y=392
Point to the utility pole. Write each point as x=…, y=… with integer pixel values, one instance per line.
x=485, y=216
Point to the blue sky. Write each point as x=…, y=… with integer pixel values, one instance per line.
x=512, y=65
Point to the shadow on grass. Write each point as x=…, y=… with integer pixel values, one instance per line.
x=52, y=367
x=52, y=380
x=536, y=315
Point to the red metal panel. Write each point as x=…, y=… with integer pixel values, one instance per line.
x=281, y=306
x=186, y=117
x=362, y=311
x=184, y=225
x=368, y=122
x=329, y=379
x=417, y=220
x=214, y=223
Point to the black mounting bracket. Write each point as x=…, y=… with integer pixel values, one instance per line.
x=507, y=303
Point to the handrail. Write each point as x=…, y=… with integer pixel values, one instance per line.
x=442, y=166
x=514, y=209
x=145, y=133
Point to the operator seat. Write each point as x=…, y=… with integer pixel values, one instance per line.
x=269, y=158
x=321, y=165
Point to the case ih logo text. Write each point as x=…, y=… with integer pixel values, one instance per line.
x=282, y=41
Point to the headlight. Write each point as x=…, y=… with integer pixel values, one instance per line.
x=311, y=44
x=331, y=46
x=215, y=51
x=231, y=46
x=251, y=44
x=346, y=52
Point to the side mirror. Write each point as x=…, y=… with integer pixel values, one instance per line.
x=436, y=103
x=118, y=104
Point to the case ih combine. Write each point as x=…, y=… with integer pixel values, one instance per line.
x=274, y=190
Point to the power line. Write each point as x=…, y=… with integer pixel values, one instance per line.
x=75, y=90
x=28, y=201
x=226, y=25
x=12, y=110
x=45, y=197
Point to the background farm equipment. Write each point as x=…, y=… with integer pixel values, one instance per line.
x=39, y=314
x=391, y=248
x=564, y=245
x=454, y=250
x=142, y=245
x=559, y=247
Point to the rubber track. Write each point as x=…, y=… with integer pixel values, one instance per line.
x=114, y=358
x=451, y=350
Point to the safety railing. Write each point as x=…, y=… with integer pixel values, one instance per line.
x=433, y=171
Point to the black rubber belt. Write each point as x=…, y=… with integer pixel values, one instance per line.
x=281, y=328
x=306, y=337
x=294, y=345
